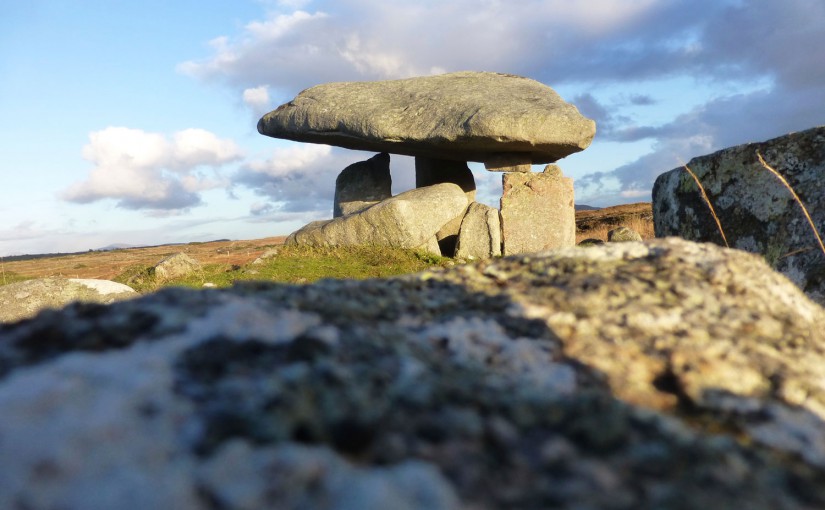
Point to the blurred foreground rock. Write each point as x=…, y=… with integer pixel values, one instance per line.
x=24, y=299
x=622, y=376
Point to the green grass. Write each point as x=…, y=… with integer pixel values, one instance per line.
x=298, y=264
x=7, y=277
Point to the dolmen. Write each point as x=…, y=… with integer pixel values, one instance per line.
x=507, y=122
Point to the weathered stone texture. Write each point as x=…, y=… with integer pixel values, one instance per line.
x=537, y=211
x=25, y=299
x=480, y=233
x=407, y=220
x=173, y=266
x=623, y=234
x=623, y=376
x=757, y=213
x=464, y=116
x=435, y=171
x=362, y=185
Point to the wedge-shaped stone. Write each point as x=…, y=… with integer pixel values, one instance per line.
x=408, y=220
x=480, y=233
x=465, y=116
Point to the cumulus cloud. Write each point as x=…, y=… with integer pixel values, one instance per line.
x=729, y=48
x=257, y=99
x=143, y=170
x=295, y=178
x=300, y=178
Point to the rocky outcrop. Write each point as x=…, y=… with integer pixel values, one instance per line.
x=480, y=234
x=408, y=220
x=537, y=211
x=464, y=116
x=25, y=299
x=362, y=185
x=174, y=266
x=623, y=376
x=757, y=213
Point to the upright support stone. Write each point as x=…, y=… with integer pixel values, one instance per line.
x=537, y=211
x=480, y=234
x=429, y=171
x=508, y=162
x=362, y=185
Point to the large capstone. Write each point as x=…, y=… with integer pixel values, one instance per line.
x=757, y=213
x=464, y=116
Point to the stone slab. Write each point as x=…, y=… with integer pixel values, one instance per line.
x=407, y=220
x=464, y=116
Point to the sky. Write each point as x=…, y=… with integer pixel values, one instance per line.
x=134, y=121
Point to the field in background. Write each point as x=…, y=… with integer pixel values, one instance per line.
x=106, y=265
x=226, y=261
x=596, y=224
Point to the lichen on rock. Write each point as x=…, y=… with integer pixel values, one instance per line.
x=660, y=375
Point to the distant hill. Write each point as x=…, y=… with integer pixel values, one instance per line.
x=118, y=246
x=582, y=207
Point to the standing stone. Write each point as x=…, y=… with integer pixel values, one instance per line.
x=429, y=171
x=757, y=213
x=362, y=185
x=537, y=211
x=480, y=233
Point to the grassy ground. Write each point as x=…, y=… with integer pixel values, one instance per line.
x=296, y=264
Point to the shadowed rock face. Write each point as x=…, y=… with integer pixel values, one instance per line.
x=465, y=116
x=624, y=376
x=757, y=213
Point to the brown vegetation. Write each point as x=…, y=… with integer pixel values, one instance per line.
x=106, y=265
x=596, y=224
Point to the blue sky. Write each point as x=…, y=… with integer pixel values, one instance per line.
x=134, y=121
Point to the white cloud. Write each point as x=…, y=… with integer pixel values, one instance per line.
x=297, y=177
x=257, y=99
x=143, y=170
x=589, y=47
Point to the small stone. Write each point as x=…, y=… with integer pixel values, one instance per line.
x=623, y=234
x=174, y=266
